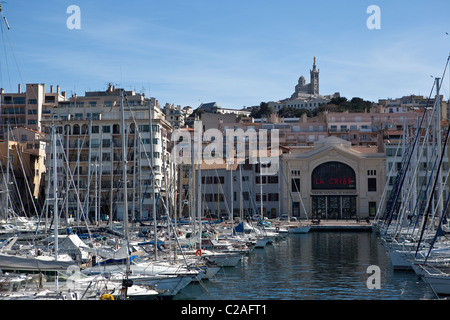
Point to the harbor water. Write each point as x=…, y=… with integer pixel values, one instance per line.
x=313, y=266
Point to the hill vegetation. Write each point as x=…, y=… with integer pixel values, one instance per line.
x=340, y=104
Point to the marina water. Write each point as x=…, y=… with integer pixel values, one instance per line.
x=313, y=266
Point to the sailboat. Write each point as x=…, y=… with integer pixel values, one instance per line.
x=408, y=225
x=37, y=260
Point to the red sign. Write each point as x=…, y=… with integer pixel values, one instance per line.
x=334, y=181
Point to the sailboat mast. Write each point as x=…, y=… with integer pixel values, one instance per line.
x=198, y=131
x=155, y=227
x=7, y=172
x=439, y=142
x=55, y=190
x=124, y=178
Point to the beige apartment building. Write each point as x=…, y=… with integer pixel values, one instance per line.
x=28, y=108
x=26, y=168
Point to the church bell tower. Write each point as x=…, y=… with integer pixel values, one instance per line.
x=314, y=84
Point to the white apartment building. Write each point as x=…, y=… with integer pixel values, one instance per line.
x=89, y=130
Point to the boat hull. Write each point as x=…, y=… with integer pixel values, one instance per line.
x=297, y=230
x=20, y=263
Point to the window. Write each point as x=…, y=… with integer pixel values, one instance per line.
x=106, y=129
x=273, y=179
x=106, y=143
x=94, y=143
x=19, y=100
x=295, y=185
x=258, y=197
x=273, y=197
x=95, y=129
x=372, y=208
x=258, y=179
x=372, y=184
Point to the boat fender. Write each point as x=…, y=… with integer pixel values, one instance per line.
x=277, y=228
x=198, y=252
x=107, y=297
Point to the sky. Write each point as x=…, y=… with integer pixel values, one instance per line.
x=235, y=53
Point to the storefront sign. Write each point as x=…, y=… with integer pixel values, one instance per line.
x=333, y=175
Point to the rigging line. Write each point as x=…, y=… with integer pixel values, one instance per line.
x=152, y=173
x=74, y=186
x=439, y=228
x=14, y=56
x=400, y=179
x=26, y=180
x=432, y=193
x=285, y=180
x=6, y=56
x=383, y=198
x=18, y=195
x=426, y=196
x=417, y=165
x=437, y=207
x=297, y=188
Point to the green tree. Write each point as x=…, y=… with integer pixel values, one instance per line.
x=264, y=110
x=341, y=104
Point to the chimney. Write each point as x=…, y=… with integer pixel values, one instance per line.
x=51, y=89
x=57, y=89
x=20, y=88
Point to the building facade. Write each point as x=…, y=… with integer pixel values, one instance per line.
x=28, y=108
x=89, y=154
x=333, y=180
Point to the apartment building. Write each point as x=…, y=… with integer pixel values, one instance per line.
x=28, y=108
x=89, y=143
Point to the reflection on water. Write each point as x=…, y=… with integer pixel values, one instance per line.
x=319, y=266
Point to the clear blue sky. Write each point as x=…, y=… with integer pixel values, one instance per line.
x=237, y=53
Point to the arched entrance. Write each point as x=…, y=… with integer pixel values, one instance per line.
x=331, y=181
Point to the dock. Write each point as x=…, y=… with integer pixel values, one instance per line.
x=336, y=225
x=342, y=225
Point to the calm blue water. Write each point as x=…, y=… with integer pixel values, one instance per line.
x=314, y=266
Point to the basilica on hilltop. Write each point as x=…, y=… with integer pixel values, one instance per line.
x=306, y=95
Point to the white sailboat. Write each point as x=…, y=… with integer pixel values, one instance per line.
x=35, y=260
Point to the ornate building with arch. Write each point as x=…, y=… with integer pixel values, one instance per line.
x=333, y=180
